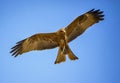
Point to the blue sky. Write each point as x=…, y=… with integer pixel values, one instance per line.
x=98, y=48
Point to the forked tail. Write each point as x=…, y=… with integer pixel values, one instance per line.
x=61, y=57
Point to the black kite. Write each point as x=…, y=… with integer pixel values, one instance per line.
x=60, y=38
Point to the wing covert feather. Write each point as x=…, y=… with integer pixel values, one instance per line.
x=81, y=23
x=36, y=42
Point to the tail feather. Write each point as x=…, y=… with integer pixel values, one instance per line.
x=71, y=55
x=60, y=57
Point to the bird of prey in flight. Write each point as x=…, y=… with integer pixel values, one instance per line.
x=60, y=38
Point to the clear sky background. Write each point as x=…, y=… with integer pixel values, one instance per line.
x=98, y=48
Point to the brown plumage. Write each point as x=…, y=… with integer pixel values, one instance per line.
x=60, y=38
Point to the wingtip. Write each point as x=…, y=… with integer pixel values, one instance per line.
x=98, y=14
x=101, y=19
x=15, y=54
x=91, y=10
x=96, y=11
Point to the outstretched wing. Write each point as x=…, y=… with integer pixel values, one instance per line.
x=36, y=42
x=81, y=23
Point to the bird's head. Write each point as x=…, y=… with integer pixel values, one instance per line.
x=62, y=30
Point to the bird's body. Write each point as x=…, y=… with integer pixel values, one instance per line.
x=60, y=38
x=64, y=47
